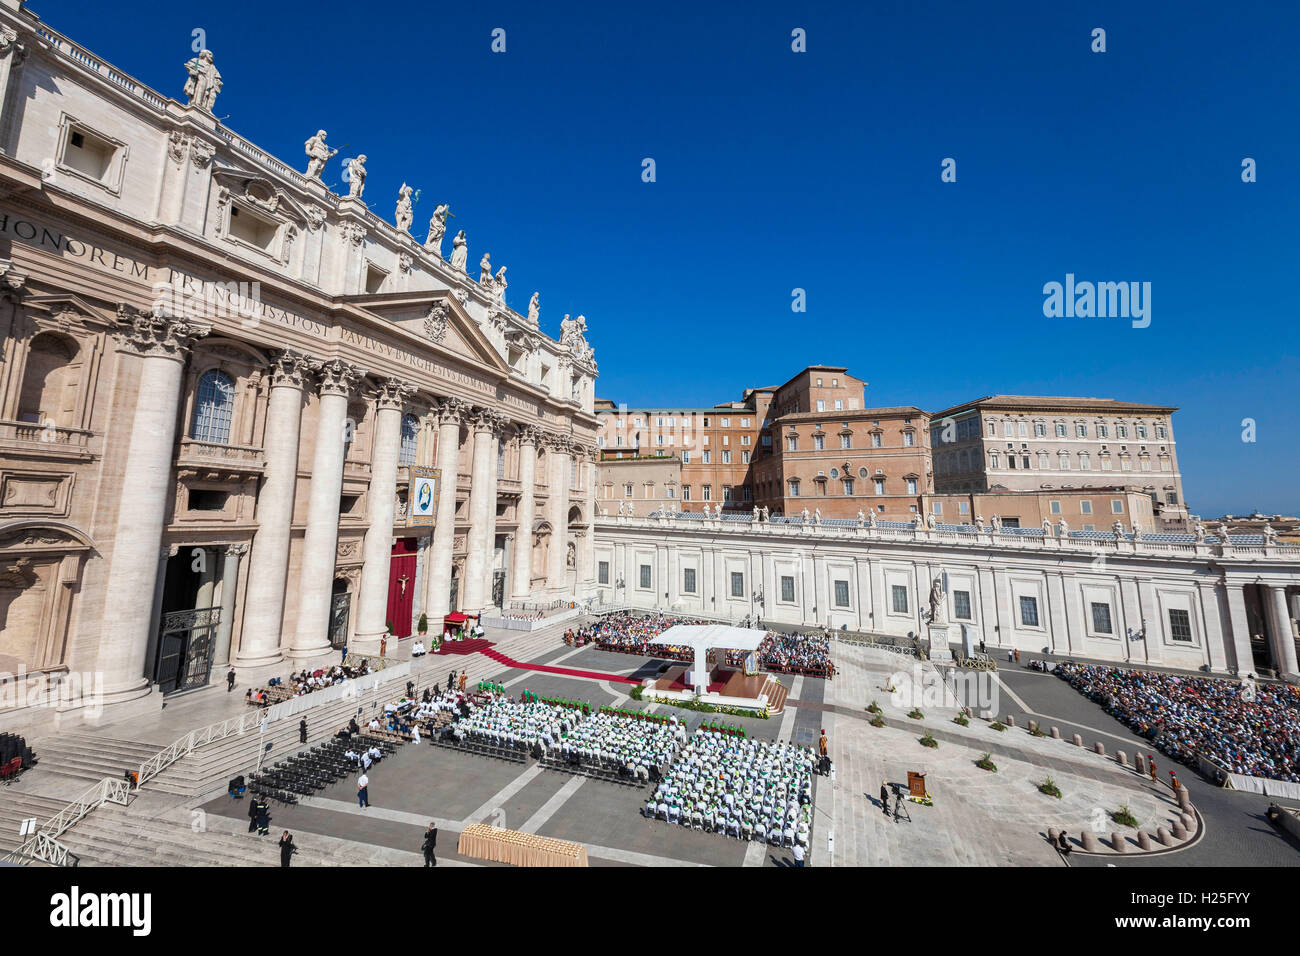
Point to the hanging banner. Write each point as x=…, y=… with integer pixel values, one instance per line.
x=422, y=497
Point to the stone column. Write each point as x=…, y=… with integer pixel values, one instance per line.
x=162, y=344
x=338, y=379
x=437, y=600
x=557, y=513
x=1236, y=628
x=229, y=583
x=489, y=568
x=381, y=506
x=522, y=571
x=486, y=427
x=1284, y=656
x=268, y=572
x=587, y=547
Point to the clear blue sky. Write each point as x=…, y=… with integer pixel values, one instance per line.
x=820, y=170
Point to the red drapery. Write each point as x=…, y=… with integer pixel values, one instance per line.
x=401, y=586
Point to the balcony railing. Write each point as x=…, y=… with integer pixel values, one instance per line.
x=243, y=457
x=51, y=436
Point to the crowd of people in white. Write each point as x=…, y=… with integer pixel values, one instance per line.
x=613, y=741
x=503, y=722
x=743, y=788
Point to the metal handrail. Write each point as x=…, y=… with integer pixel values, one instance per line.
x=44, y=844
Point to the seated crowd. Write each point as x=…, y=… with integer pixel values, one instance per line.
x=808, y=654
x=503, y=722
x=638, y=748
x=304, y=682
x=1247, y=728
x=743, y=788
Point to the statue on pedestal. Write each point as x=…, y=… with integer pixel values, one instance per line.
x=1063, y=528
x=437, y=229
x=459, y=252
x=485, y=271
x=318, y=154
x=930, y=521
x=356, y=176
x=862, y=519
x=936, y=601
x=1199, y=533
x=534, y=310
x=403, y=216
x=997, y=522
x=205, y=81
x=499, y=285
x=1270, y=536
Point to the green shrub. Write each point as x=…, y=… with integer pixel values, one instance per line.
x=916, y=714
x=986, y=763
x=1124, y=816
x=1049, y=787
x=929, y=741
x=998, y=725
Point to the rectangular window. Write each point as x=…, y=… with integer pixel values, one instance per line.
x=1116, y=506
x=961, y=605
x=688, y=580
x=1103, y=431
x=794, y=489
x=1101, y=618
x=819, y=443
x=737, y=584
x=938, y=507
x=899, y=594
x=845, y=441
x=1081, y=431
x=744, y=458
x=787, y=588
x=686, y=457
x=1180, y=625
x=645, y=576
x=880, y=486
x=792, y=443
x=848, y=486
x=1029, y=611
x=1055, y=507
x=686, y=492
x=911, y=486
x=708, y=456
x=821, y=405
x=602, y=572
x=841, y=593
x=708, y=492
x=726, y=423
x=909, y=439
x=726, y=458
x=1085, y=507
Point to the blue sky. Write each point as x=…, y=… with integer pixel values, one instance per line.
x=821, y=171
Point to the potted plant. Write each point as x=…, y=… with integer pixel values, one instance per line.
x=423, y=625
x=986, y=763
x=929, y=741
x=1049, y=787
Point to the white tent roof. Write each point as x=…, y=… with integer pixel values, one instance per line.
x=712, y=635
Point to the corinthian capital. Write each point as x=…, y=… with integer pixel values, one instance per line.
x=529, y=434
x=338, y=377
x=289, y=369
x=487, y=420
x=155, y=333
x=393, y=393
x=449, y=411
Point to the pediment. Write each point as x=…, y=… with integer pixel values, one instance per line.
x=66, y=308
x=262, y=192
x=438, y=320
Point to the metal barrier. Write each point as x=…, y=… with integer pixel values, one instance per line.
x=44, y=844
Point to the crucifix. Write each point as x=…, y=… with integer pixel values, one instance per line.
x=402, y=581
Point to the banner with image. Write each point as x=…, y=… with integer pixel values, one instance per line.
x=422, y=496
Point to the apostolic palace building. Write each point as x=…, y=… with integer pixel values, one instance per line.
x=245, y=420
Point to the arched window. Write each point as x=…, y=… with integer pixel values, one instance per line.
x=214, y=407
x=410, y=437
x=49, y=381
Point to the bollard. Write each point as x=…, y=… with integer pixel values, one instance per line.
x=1164, y=836
x=1179, y=831
x=1140, y=762
x=1078, y=740
x=1053, y=834
x=1089, y=841
x=1099, y=748
x=1144, y=840
x=1118, y=843
x=1056, y=733
x=1184, y=798
x=1010, y=721
x=1189, y=821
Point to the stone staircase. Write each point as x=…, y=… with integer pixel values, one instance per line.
x=124, y=836
x=776, y=694
x=17, y=806
x=208, y=769
x=92, y=758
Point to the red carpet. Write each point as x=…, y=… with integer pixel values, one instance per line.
x=484, y=647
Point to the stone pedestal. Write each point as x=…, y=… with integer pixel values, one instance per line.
x=939, y=649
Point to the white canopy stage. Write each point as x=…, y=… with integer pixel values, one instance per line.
x=703, y=637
